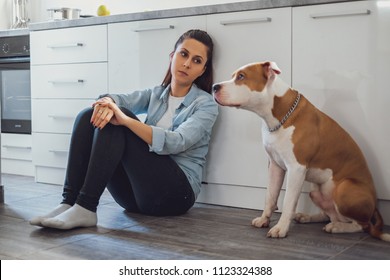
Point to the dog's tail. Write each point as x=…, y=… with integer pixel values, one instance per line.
x=376, y=226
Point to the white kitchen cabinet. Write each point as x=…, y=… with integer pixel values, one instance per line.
x=341, y=63
x=237, y=165
x=51, y=150
x=16, y=154
x=69, y=71
x=69, y=81
x=57, y=119
x=69, y=45
x=138, y=52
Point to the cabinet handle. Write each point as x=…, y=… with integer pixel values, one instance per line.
x=243, y=21
x=341, y=14
x=60, y=117
x=76, y=81
x=58, y=151
x=144, y=29
x=63, y=46
x=16, y=147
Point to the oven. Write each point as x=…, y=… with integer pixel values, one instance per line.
x=15, y=88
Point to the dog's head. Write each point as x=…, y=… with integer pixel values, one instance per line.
x=248, y=86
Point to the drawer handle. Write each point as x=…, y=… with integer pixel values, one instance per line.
x=63, y=46
x=244, y=21
x=77, y=81
x=60, y=117
x=341, y=14
x=58, y=151
x=17, y=147
x=156, y=28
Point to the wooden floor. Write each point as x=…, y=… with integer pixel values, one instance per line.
x=205, y=233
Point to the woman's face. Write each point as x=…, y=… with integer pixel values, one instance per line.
x=188, y=62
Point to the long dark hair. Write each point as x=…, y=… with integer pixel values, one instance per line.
x=205, y=81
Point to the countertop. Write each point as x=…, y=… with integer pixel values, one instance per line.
x=181, y=12
x=14, y=32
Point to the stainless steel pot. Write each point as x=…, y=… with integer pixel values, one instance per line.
x=63, y=13
x=69, y=13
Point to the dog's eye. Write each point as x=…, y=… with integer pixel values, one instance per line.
x=240, y=77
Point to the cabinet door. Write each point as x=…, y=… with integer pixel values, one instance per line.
x=236, y=155
x=16, y=146
x=51, y=150
x=56, y=116
x=75, y=81
x=341, y=62
x=69, y=45
x=138, y=52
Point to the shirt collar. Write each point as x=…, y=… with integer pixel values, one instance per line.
x=190, y=97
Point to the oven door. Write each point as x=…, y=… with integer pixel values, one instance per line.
x=15, y=92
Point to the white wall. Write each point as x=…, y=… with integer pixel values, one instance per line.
x=88, y=7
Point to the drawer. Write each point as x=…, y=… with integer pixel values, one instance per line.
x=56, y=116
x=87, y=80
x=50, y=149
x=16, y=146
x=17, y=167
x=69, y=45
x=50, y=175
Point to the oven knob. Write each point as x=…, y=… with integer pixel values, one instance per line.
x=5, y=48
x=26, y=48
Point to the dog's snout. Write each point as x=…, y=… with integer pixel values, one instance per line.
x=216, y=87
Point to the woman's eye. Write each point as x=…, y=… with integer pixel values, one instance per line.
x=197, y=61
x=183, y=54
x=240, y=77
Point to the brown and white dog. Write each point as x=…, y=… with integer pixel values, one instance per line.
x=303, y=143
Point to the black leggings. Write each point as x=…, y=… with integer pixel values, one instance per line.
x=114, y=157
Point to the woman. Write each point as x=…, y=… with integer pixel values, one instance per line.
x=154, y=168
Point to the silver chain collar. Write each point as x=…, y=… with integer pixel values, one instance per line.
x=293, y=107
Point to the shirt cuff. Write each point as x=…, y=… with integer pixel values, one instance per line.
x=158, y=139
x=114, y=98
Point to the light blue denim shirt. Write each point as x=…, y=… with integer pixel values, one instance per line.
x=187, y=140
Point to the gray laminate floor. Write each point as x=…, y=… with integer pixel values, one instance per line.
x=206, y=232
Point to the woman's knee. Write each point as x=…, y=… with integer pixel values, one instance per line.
x=84, y=116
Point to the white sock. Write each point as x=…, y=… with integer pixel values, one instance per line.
x=76, y=216
x=37, y=221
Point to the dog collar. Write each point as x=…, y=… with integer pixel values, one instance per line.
x=293, y=107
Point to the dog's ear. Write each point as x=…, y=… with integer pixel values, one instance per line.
x=271, y=68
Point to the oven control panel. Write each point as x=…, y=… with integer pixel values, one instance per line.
x=14, y=46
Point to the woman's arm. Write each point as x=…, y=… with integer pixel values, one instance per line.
x=142, y=130
x=105, y=111
x=195, y=122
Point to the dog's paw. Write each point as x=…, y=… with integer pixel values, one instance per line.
x=342, y=227
x=302, y=218
x=333, y=228
x=277, y=232
x=260, y=222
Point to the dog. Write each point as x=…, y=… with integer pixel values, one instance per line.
x=304, y=144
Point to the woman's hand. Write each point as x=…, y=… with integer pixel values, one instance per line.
x=102, y=113
x=106, y=111
x=118, y=117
